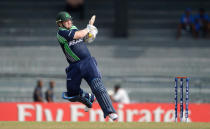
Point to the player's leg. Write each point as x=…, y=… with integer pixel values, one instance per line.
x=103, y=98
x=93, y=77
x=73, y=80
x=194, y=30
x=74, y=92
x=179, y=29
x=208, y=29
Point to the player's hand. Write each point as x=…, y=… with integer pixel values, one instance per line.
x=90, y=26
x=92, y=31
x=90, y=37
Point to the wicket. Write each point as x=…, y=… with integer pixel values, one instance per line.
x=181, y=98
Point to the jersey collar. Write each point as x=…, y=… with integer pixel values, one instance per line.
x=61, y=28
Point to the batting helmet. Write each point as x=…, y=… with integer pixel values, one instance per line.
x=63, y=16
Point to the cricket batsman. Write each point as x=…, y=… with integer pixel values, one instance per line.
x=82, y=65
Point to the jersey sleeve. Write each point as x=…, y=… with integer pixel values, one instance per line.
x=69, y=34
x=182, y=19
x=117, y=96
x=192, y=19
x=72, y=32
x=206, y=17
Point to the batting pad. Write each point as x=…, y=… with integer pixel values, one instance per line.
x=102, y=96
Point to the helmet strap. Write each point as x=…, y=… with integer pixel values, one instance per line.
x=63, y=25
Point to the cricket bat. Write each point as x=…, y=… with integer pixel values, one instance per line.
x=92, y=20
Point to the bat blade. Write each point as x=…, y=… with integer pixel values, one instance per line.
x=92, y=20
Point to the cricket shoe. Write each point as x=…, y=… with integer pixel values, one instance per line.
x=91, y=98
x=113, y=116
x=86, y=98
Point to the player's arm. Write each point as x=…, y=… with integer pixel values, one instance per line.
x=117, y=96
x=48, y=97
x=39, y=97
x=111, y=97
x=82, y=33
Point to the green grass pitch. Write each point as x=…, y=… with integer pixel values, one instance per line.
x=101, y=125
